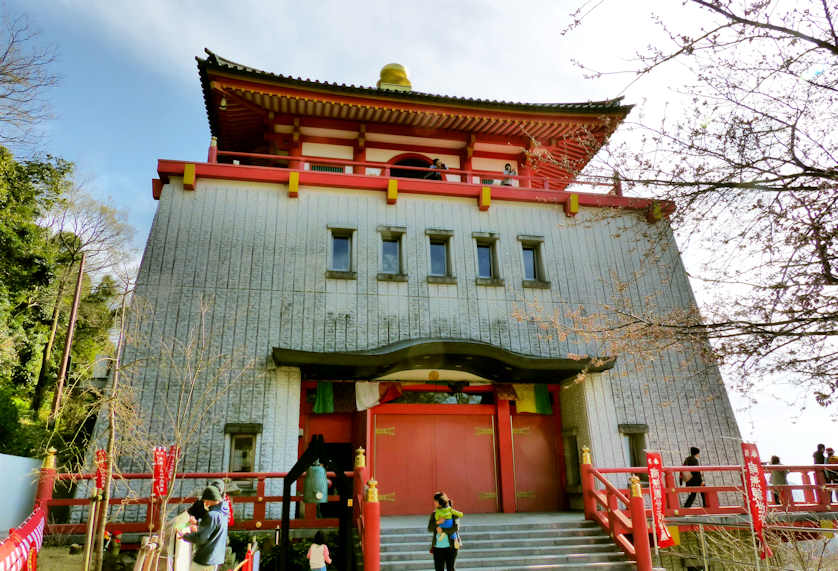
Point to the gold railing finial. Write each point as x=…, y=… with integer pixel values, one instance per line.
x=360, y=458
x=213, y=141
x=586, y=455
x=49, y=459
x=372, y=492
x=634, y=484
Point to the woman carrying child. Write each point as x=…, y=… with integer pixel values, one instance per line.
x=445, y=528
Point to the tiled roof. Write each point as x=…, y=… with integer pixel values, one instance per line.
x=217, y=62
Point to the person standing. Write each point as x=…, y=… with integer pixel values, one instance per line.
x=318, y=553
x=210, y=535
x=818, y=455
x=831, y=476
x=779, y=478
x=695, y=479
x=446, y=539
x=509, y=172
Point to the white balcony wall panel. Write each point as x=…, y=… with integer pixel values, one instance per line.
x=327, y=151
x=259, y=258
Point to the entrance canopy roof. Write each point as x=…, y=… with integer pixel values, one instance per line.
x=482, y=359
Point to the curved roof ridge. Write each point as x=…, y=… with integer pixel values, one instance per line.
x=606, y=105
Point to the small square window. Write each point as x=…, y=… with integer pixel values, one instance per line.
x=341, y=253
x=534, y=274
x=391, y=256
x=439, y=257
x=634, y=446
x=439, y=250
x=488, y=269
x=530, y=263
x=242, y=452
x=392, y=264
x=485, y=261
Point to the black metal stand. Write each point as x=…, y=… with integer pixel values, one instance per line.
x=317, y=451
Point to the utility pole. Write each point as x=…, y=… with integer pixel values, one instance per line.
x=65, y=358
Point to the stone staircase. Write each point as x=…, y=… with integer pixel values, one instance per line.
x=505, y=542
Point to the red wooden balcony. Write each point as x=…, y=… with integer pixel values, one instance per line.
x=481, y=185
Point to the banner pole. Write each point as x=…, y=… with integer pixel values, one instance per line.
x=703, y=545
x=750, y=517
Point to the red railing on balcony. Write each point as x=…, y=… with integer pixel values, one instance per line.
x=364, y=502
x=610, y=506
x=471, y=176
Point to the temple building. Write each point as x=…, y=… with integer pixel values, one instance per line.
x=413, y=307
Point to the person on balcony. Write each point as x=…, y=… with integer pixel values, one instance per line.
x=693, y=478
x=779, y=479
x=437, y=165
x=509, y=172
x=818, y=456
x=831, y=476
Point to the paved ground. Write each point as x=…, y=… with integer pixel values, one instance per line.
x=397, y=521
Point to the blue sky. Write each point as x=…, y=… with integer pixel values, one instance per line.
x=129, y=92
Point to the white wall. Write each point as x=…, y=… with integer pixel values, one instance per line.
x=20, y=482
x=261, y=257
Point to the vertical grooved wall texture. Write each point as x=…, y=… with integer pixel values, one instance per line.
x=260, y=257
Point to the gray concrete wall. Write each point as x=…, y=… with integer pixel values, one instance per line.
x=260, y=257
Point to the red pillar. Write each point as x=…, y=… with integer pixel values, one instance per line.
x=360, y=151
x=46, y=482
x=639, y=527
x=824, y=495
x=359, y=155
x=259, y=506
x=808, y=494
x=670, y=496
x=524, y=172
x=507, y=468
x=372, y=529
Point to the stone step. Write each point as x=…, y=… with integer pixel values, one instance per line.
x=479, y=542
x=522, y=526
x=469, y=552
x=580, y=560
x=606, y=565
x=498, y=533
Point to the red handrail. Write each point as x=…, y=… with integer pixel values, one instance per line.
x=260, y=500
x=498, y=176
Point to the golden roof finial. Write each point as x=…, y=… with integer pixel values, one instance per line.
x=394, y=77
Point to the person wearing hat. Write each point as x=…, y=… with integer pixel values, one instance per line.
x=197, y=511
x=210, y=537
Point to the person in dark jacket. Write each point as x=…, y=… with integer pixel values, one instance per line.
x=197, y=510
x=818, y=456
x=446, y=538
x=210, y=537
x=695, y=477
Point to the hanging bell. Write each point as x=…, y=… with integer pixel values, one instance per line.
x=315, y=487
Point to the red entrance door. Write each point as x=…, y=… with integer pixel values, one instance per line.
x=416, y=455
x=535, y=457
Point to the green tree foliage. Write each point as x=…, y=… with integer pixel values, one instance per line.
x=33, y=259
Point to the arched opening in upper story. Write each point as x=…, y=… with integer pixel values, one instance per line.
x=409, y=160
